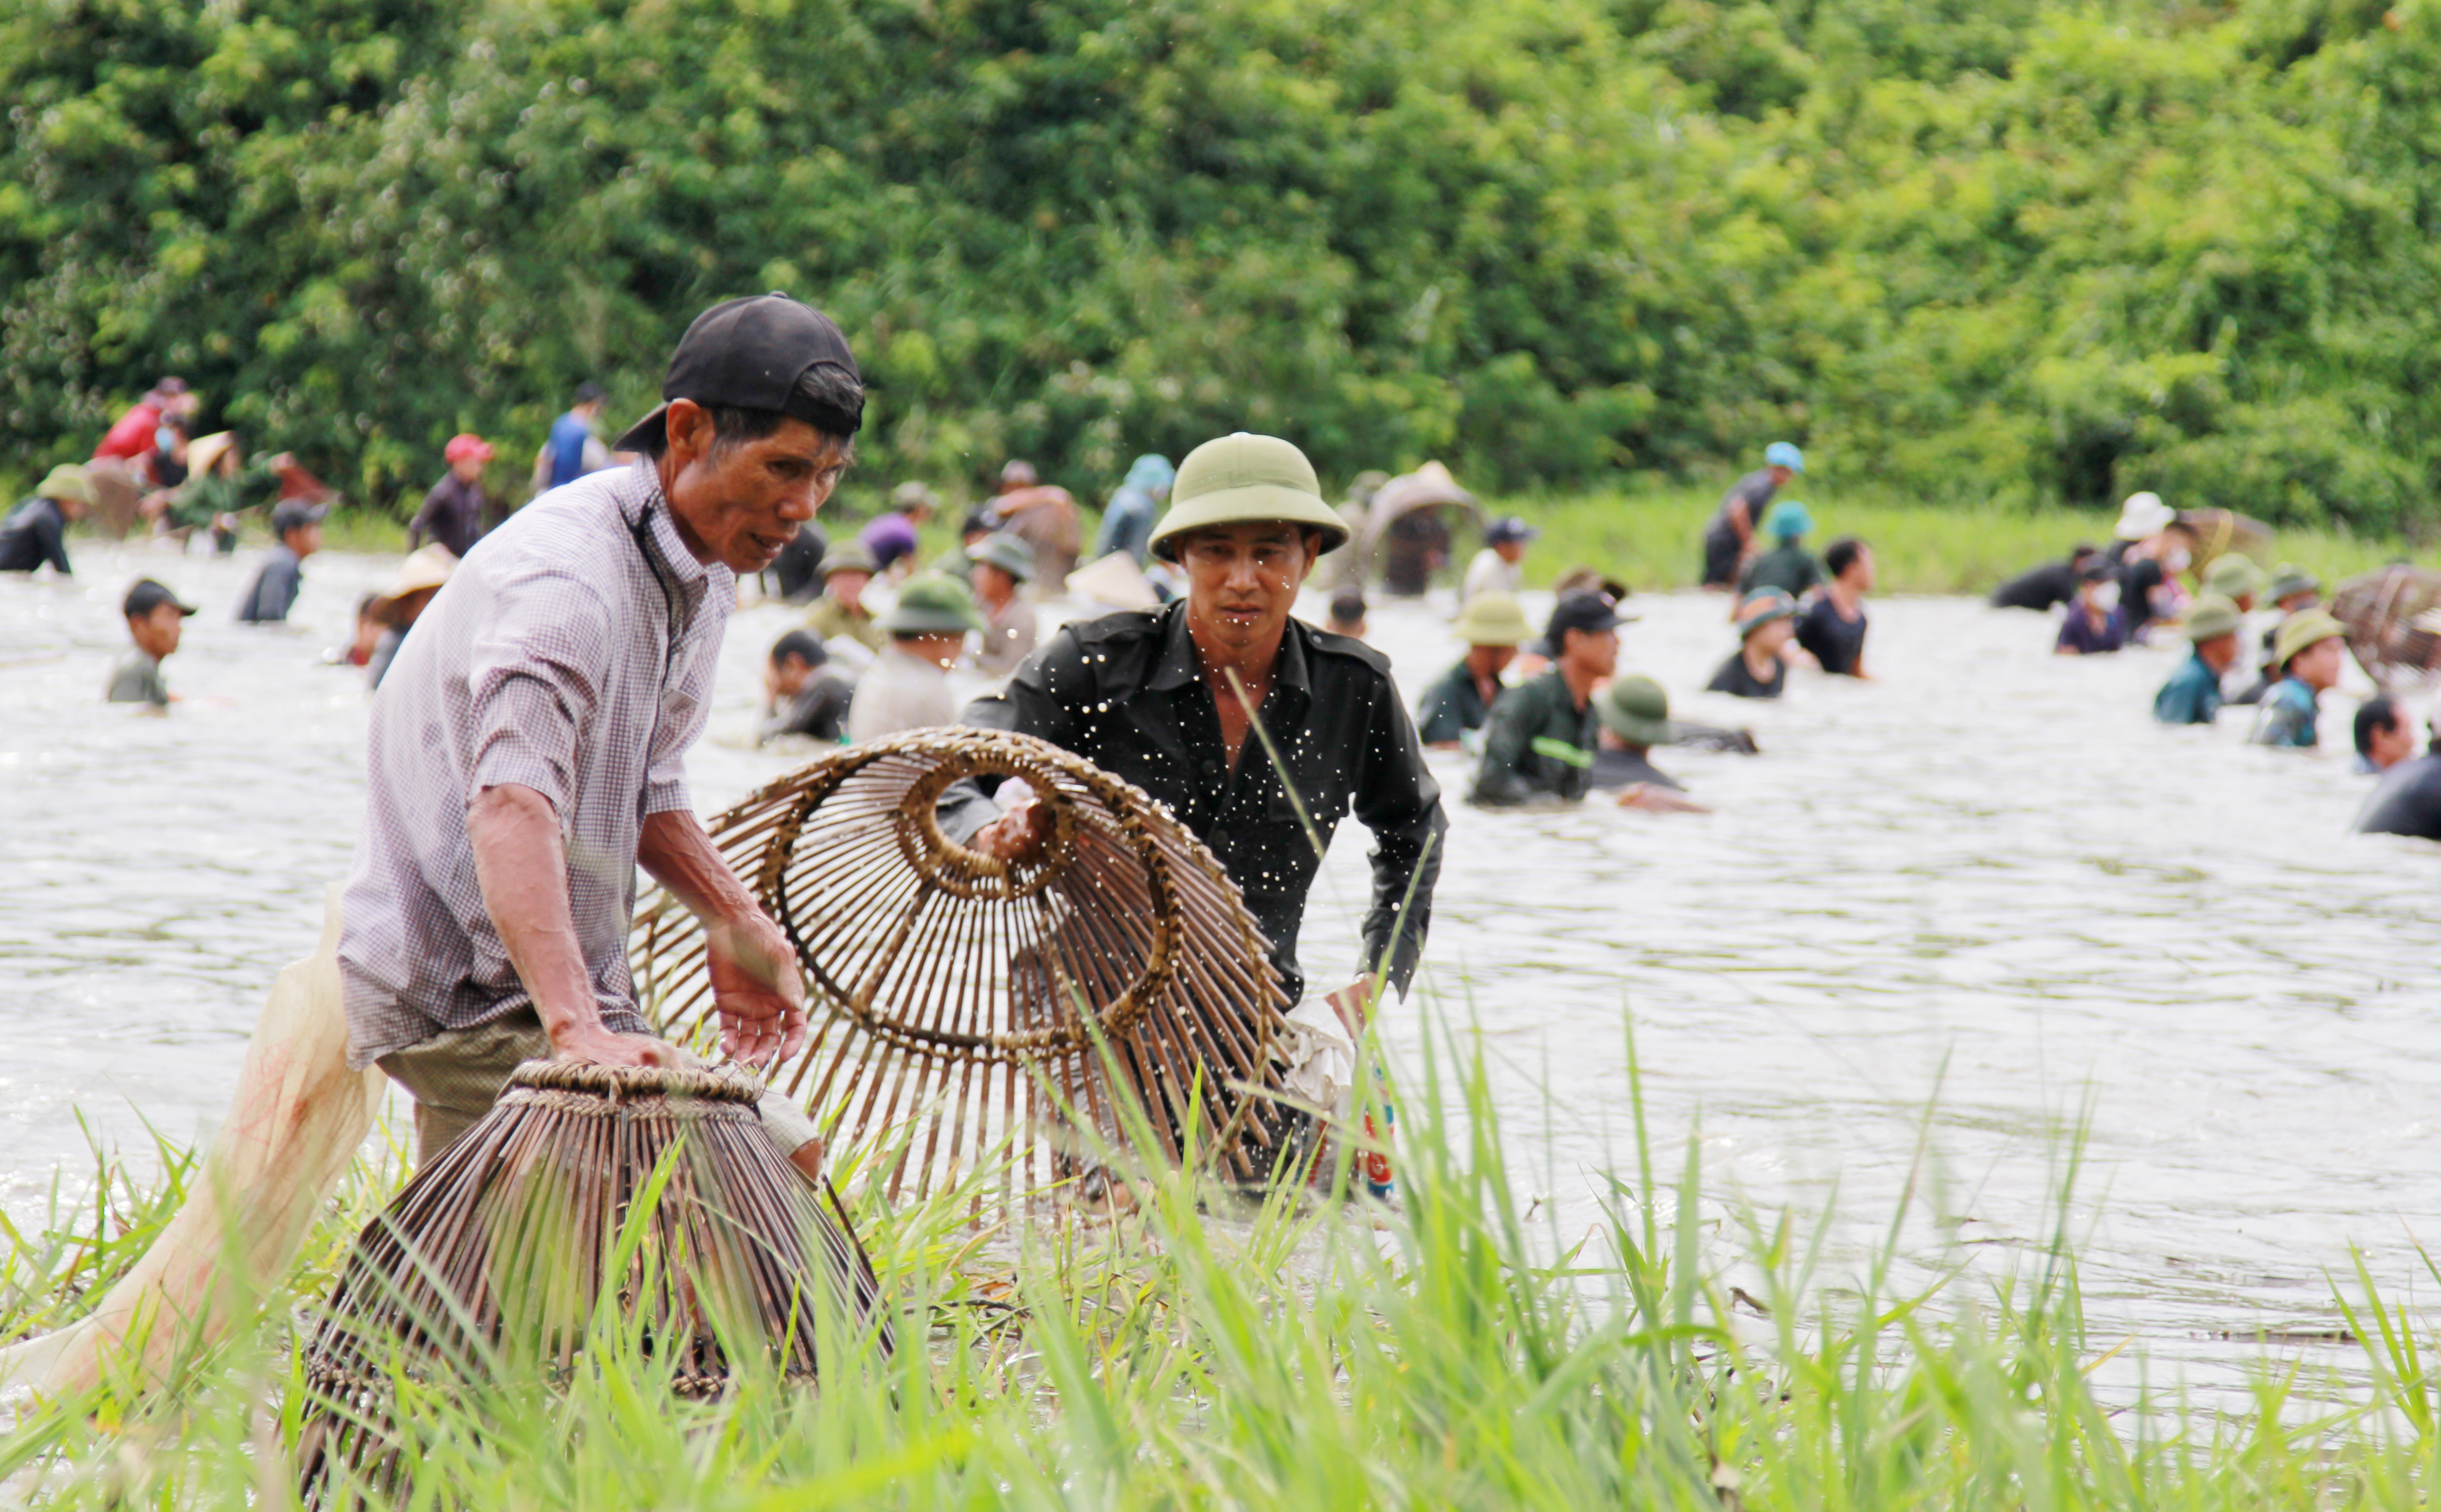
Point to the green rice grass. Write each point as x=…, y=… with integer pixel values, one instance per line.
x=1449, y=1355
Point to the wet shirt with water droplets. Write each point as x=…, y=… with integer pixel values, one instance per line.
x=1127, y=693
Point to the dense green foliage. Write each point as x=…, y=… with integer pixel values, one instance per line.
x=2016, y=250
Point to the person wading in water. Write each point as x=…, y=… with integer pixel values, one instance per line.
x=526, y=753
x=1170, y=699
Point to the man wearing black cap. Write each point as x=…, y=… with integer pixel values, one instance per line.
x=1539, y=745
x=526, y=751
x=155, y=622
x=273, y=592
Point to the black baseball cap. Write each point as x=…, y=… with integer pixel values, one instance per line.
x=747, y=354
x=291, y=513
x=148, y=596
x=1589, y=612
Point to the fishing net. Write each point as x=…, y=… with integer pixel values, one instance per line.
x=2394, y=622
x=652, y=1188
x=2220, y=532
x=976, y=1014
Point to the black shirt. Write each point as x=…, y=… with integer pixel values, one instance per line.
x=795, y=574
x=1837, y=643
x=819, y=709
x=1756, y=490
x=1127, y=693
x=2137, y=581
x=36, y=533
x=452, y=514
x=1615, y=768
x=2046, y=588
x=273, y=592
x=2407, y=800
x=1734, y=677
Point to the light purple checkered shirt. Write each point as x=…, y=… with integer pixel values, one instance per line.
x=548, y=661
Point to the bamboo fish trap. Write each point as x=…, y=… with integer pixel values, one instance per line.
x=2220, y=532
x=2394, y=622
x=974, y=1013
x=507, y=1240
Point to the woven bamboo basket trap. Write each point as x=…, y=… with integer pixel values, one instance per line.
x=976, y=1015
x=509, y=1239
x=2392, y=617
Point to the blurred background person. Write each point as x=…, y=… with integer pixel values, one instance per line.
x=1128, y=519
x=273, y=592
x=2093, y=624
x=155, y=622
x=895, y=537
x=841, y=614
x=1729, y=540
x=2383, y=736
x=573, y=448
x=36, y=531
x=397, y=607
x=1347, y=612
x=1459, y=701
x=1499, y=567
x=1787, y=564
x=909, y=685
x=1757, y=669
x=1002, y=566
x=2192, y=696
x=456, y=509
x=1832, y=630
x=802, y=694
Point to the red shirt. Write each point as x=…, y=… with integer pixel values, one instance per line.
x=133, y=436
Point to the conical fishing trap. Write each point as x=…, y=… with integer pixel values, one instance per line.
x=975, y=1014
x=654, y=1191
x=2394, y=622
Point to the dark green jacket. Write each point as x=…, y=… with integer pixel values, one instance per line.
x=1452, y=705
x=1788, y=567
x=1539, y=745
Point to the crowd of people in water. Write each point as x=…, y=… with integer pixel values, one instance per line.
x=1543, y=710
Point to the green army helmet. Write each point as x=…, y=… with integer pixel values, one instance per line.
x=848, y=556
x=1494, y=619
x=1637, y=710
x=1239, y=478
x=2302, y=631
x=2234, y=577
x=67, y=481
x=2210, y=617
x=2289, y=581
x=933, y=604
x=1762, y=607
x=1004, y=552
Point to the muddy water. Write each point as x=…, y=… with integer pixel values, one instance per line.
x=1983, y=894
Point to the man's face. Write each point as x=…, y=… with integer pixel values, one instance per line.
x=2218, y=652
x=2318, y=665
x=740, y=504
x=156, y=632
x=305, y=539
x=1591, y=653
x=1772, y=636
x=1509, y=551
x=1241, y=580
x=2391, y=743
x=1780, y=477
x=1491, y=660
x=790, y=676
x=992, y=583
x=1860, y=572
x=466, y=469
x=847, y=588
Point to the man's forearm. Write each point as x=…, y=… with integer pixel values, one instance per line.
x=679, y=854
x=521, y=864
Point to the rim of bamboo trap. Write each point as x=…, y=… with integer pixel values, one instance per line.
x=967, y=1008
x=2392, y=619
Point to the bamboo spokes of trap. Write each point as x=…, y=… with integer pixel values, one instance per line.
x=2392, y=617
x=975, y=1013
x=650, y=1191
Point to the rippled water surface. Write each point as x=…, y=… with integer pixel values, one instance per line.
x=1984, y=893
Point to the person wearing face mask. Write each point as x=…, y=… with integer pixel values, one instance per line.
x=2094, y=624
x=2148, y=574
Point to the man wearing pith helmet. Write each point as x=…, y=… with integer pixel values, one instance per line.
x=1170, y=699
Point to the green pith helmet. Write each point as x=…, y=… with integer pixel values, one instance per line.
x=2302, y=631
x=848, y=556
x=2287, y=580
x=934, y=604
x=1004, y=552
x=68, y=482
x=2212, y=616
x=2234, y=577
x=1637, y=710
x=1494, y=619
x=1762, y=607
x=1241, y=478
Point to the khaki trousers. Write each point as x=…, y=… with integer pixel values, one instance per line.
x=457, y=1075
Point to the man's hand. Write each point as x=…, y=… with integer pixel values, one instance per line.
x=1657, y=800
x=1351, y=1004
x=592, y=1042
x=756, y=988
x=1019, y=834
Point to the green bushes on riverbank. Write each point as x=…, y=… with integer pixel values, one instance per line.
x=1460, y=1353
x=2026, y=251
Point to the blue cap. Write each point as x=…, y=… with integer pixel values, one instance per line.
x=1788, y=519
x=1784, y=454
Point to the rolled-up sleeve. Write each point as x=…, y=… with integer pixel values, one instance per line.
x=536, y=677
x=1397, y=799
